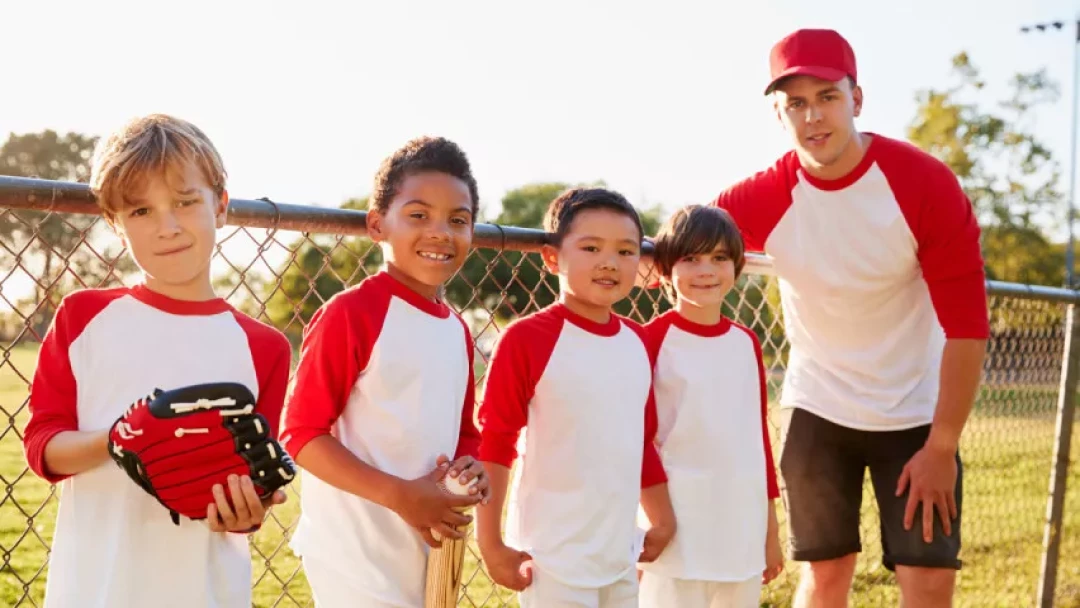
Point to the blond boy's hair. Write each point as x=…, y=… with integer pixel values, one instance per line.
x=154, y=144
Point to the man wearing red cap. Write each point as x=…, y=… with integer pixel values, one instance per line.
x=876, y=248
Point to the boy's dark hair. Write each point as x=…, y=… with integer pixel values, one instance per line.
x=694, y=230
x=562, y=211
x=422, y=155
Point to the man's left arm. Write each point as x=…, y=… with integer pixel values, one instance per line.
x=952, y=265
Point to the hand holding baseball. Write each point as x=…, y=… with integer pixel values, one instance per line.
x=425, y=505
x=467, y=472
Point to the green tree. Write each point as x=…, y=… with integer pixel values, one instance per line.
x=509, y=283
x=48, y=244
x=1008, y=173
x=320, y=266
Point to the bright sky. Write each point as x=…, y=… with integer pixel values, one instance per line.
x=305, y=98
x=665, y=104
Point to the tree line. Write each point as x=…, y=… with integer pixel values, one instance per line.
x=1008, y=173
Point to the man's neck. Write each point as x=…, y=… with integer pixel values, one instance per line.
x=850, y=158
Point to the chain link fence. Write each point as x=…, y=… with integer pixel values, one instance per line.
x=279, y=262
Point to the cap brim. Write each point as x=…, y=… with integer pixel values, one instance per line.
x=830, y=74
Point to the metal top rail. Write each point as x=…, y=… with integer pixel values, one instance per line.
x=71, y=197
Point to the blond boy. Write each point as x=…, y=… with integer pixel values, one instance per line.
x=161, y=187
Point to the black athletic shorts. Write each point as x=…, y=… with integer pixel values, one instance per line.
x=822, y=465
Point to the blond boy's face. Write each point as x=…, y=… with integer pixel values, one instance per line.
x=597, y=261
x=170, y=229
x=702, y=280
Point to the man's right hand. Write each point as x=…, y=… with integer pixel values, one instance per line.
x=426, y=507
x=507, y=567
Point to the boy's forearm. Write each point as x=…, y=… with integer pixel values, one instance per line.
x=774, y=523
x=656, y=502
x=325, y=458
x=73, y=452
x=489, y=516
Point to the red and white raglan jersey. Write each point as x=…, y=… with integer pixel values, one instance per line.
x=876, y=270
x=388, y=373
x=713, y=438
x=583, y=393
x=114, y=544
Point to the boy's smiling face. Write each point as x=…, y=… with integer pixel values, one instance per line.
x=169, y=225
x=703, y=279
x=426, y=231
x=596, y=262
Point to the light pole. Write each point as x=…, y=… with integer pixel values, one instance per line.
x=1060, y=25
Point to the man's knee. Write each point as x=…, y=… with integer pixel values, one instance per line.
x=827, y=582
x=928, y=587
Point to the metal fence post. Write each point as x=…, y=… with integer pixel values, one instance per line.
x=1070, y=374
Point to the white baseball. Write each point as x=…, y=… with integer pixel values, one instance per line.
x=454, y=486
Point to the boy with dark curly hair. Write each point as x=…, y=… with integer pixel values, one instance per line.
x=383, y=394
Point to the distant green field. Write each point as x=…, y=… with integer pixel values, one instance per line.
x=1007, y=452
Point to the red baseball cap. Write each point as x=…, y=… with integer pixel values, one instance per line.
x=821, y=53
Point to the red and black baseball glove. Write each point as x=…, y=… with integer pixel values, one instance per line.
x=178, y=444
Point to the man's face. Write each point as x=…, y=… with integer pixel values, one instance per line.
x=820, y=116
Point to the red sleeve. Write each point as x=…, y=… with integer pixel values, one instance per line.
x=272, y=354
x=652, y=468
x=943, y=221
x=336, y=346
x=53, y=403
x=770, y=466
x=469, y=435
x=518, y=361
x=951, y=259
x=758, y=202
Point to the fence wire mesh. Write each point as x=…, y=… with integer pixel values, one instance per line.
x=282, y=277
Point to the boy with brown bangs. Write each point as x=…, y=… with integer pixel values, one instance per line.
x=713, y=437
x=161, y=187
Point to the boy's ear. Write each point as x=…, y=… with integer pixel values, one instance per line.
x=550, y=256
x=221, y=212
x=375, y=225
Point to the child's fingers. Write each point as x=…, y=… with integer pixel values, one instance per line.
x=440, y=470
x=454, y=518
x=524, y=570
x=277, y=498
x=446, y=531
x=474, y=469
x=461, y=466
x=239, y=501
x=251, y=498
x=228, y=518
x=482, y=489
x=212, y=518
x=425, y=533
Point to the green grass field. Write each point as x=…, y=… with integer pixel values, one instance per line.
x=1007, y=459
